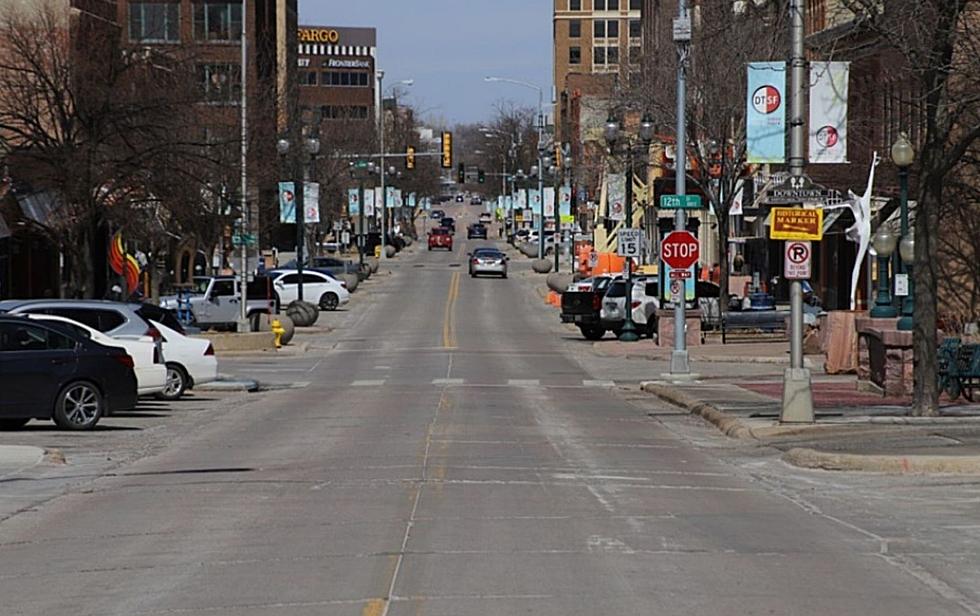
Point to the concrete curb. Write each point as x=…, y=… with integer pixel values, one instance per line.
x=239, y=385
x=711, y=359
x=900, y=465
x=17, y=458
x=728, y=425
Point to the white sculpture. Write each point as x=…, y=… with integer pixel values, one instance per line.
x=860, y=231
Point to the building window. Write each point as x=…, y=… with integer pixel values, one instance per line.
x=612, y=55
x=606, y=28
x=636, y=53
x=307, y=78
x=636, y=28
x=154, y=22
x=217, y=21
x=574, y=28
x=606, y=5
x=220, y=83
x=338, y=112
x=574, y=5
x=574, y=55
x=636, y=5
x=599, y=56
x=345, y=79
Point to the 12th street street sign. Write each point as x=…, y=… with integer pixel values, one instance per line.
x=680, y=202
x=630, y=242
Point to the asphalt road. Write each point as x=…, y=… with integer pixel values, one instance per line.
x=444, y=453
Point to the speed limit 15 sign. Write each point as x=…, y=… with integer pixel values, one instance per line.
x=630, y=242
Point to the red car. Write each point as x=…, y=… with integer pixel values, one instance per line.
x=440, y=238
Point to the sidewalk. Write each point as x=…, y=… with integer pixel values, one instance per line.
x=776, y=353
x=853, y=430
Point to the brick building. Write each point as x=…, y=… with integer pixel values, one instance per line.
x=337, y=72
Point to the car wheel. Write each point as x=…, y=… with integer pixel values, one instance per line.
x=329, y=301
x=79, y=406
x=11, y=423
x=504, y=275
x=176, y=383
x=592, y=332
x=430, y=248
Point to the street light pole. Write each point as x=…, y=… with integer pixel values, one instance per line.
x=679, y=361
x=381, y=138
x=243, y=324
x=903, y=155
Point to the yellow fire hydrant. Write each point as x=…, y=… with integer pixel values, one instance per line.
x=278, y=330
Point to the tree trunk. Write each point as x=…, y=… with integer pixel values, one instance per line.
x=926, y=387
x=81, y=277
x=724, y=261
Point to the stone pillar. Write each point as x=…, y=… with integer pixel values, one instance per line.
x=665, y=328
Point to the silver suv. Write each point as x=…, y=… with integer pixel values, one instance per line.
x=111, y=318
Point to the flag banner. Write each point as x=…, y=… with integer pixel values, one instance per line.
x=287, y=202
x=389, y=198
x=399, y=202
x=828, y=112
x=311, y=203
x=549, y=201
x=616, y=197
x=353, y=202
x=765, y=119
x=534, y=200
x=411, y=200
x=528, y=215
x=565, y=202
x=378, y=201
x=369, y=202
x=522, y=198
x=509, y=202
x=736, y=207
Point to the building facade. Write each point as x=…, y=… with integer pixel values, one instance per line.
x=336, y=72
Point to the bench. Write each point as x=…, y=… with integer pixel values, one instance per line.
x=768, y=321
x=959, y=368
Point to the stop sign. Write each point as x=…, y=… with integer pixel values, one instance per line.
x=680, y=249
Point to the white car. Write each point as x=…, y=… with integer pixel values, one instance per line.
x=318, y=288
x=151, y=373
x=190, y=362
x=644, y=305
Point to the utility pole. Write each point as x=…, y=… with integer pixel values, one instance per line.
x=243, y=325
x=679, y=361
x=797, y=393
x=384, y=191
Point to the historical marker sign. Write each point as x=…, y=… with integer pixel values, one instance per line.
x=793, y=223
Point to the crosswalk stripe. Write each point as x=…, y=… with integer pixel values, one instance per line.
x=368, y=383
x=589, y=383
x=524, y=383
x=448, y=381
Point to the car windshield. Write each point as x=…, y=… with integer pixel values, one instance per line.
x=616, y=289
x=440, y=231
x=488, y=254
x=200, y=286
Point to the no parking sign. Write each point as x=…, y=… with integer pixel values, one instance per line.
x=796, y=265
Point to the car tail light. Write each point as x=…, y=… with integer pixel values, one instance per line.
x=154, y=333
x=209, y=350
x=635, y=303
x=343, y=284
x=124, y=359
x=157, y=358
x=476, y=261
x=596, y=302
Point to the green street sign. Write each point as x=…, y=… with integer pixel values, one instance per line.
x=680, y=202
x=361, y=164
x=248, y=240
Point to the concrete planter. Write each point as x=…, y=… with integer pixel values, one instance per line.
x=374, y=264
x=390, y=251
x=264, y=322
x=559, y=282
x=351, y=279
x=303, y=314
x=541, y=266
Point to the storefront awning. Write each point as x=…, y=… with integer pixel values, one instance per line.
x=39, y=206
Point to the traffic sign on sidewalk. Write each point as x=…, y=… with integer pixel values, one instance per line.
x=680, y=202
x=680, y=249
x=796, y=265
x=630, y=243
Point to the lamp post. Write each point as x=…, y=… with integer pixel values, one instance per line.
x=612, y=132
x=380, y=74
x=312, y=147
x=906, y=250
x=884, y=243
x=903, y=155
x=360, y=171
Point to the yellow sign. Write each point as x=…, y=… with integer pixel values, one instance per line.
x=447, y=150
x=793, y=223
x=319, y=35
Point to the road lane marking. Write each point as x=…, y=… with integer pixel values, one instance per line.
x=588, y=383
x=368, y=383
x=449, y=316
x=447, y=381
x=523, y=383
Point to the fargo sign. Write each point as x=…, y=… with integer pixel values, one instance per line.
x=318, y=35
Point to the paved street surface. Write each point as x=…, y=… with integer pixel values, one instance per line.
x=449, y=449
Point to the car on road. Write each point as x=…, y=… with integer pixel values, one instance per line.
x=448, y=222
x=477, y=200
x=644, y=304
x=582, y=305
x=49, y=372
x=440, y=237
x=486, y=218
x=112, y=318
x=190, y=361
x=436, y=214
x=318, y=287
x=476, y=230
x=215, y=301
x=148, y=365
x=459, y=198
x=488, y=261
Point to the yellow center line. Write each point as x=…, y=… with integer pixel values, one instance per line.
x=449, y=317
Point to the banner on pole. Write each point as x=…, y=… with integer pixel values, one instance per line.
x=353, y=202
x=616, y=196
x=549, y=201
x=378, y=201
x=534, y=200
x=765, y=116
x=311, y=203
x=369, y=202
x=389, y=198
x=522, y=198
x=828, y=112
x=411, y=200
x=287, y=202
x=565, y=201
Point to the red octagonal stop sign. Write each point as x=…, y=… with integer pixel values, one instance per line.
x=680, y=249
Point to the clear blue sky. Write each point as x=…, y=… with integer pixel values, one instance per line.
x=449, y=46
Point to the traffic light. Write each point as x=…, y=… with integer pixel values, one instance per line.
x=558, y=155
x=447, y=150
x=461, y=173
x=410, y=157
x=481, y=177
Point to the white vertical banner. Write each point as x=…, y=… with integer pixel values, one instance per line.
x=828, y=112
x=353, y=201
x=616, y=196
x=379, y=201
x=311, y=203
x=522, y=198
x=736, y=207
x=549, y=201
x=368, y=202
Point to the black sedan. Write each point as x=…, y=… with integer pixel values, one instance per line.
x=476, y=230
x=448, y=223
x=51, y=372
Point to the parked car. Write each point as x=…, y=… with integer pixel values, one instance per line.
x=488, y=261
x=436, y=214
x=486, y=218
x=440, y=237
x=643, y=306
x=583, y=305
x=328, y=265
x=476, y=230
x=318, y=287
x=215, y=301
x=148, y=365
x=448, y=223
x=189, y=361
x=49, y=372
x=476, y=200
